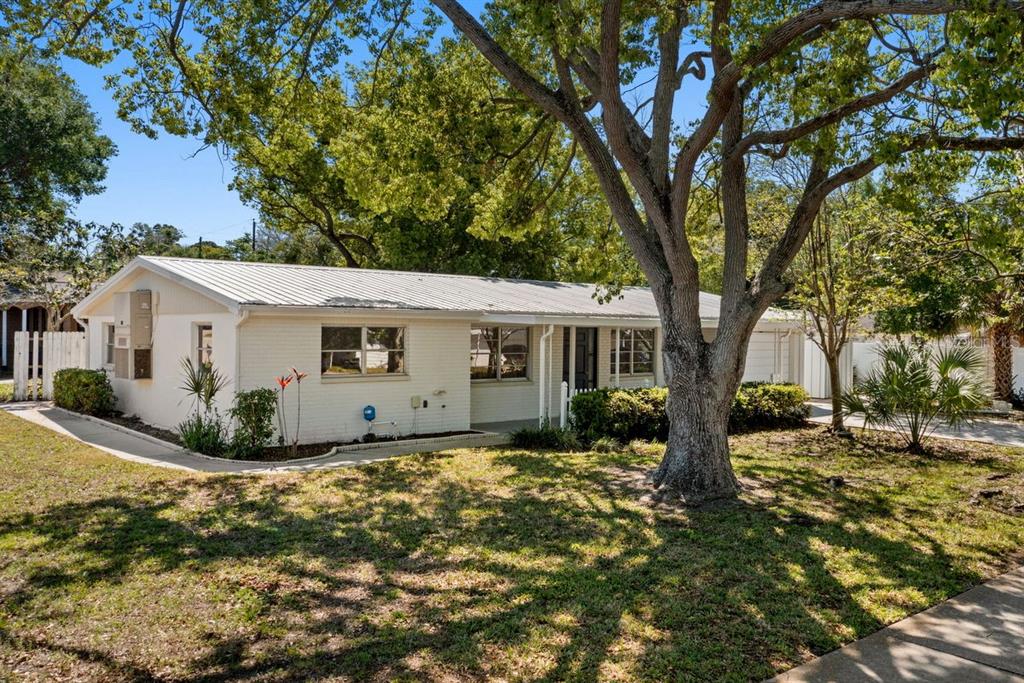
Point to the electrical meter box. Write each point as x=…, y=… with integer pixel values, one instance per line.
x=133, y=334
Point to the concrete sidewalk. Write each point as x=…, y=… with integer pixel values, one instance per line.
x=976, y=636
x=142, y=448
x=987, y=430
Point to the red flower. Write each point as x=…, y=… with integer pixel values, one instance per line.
x=299, y=376
x=284, y=381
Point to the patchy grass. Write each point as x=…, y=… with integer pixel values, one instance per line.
x=476, y=564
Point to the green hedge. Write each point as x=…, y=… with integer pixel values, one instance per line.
x=627, y=414
x=83, y=391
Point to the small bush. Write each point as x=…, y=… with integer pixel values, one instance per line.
x=628, y=414
x=546, y=437
x=204, y=433
x=253, y=413
x=761, y=405
x=84, y=391
x=606, y=444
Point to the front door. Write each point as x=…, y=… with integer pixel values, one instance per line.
x=585, y=370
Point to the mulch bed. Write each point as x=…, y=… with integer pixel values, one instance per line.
x=275, y=453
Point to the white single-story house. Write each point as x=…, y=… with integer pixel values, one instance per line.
x=431, y=353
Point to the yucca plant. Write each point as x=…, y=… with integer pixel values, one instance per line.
x=914, y=388
x=202, y=382
x=203, y=430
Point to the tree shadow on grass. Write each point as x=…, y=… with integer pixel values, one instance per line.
x=545, y=569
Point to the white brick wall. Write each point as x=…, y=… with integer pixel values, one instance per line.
x=437, y=358
x=176, y=311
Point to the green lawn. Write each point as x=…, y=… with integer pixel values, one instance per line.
x=480, y=563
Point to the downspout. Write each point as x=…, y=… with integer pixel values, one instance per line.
x=242, y=316
x=544, y=374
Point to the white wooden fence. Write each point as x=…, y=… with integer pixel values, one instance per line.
x=566, y=404
x=38, y=356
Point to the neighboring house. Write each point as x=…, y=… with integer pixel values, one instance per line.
x=431, y=353
x=23, y=311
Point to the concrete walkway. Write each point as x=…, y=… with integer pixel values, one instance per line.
x=976, y=636
x=988, y=430
x=142, y=448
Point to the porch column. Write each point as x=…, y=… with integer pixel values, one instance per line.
x=618, y=344
x=571, y=371
x=24, y=320
x=3, y=340
x=659, y=362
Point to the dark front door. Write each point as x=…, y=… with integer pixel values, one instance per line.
x=585, y=370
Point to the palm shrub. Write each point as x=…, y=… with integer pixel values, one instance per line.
x=913, y=388
x=203, y=430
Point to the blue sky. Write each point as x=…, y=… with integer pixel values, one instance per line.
x=159, y=181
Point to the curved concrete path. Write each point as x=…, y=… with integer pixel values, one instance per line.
x=974, y=637
x=988, y=430
x=142, y=448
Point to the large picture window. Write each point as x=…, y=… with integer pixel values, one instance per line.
x=499, y=353
x=354, y=351
x=636, y=351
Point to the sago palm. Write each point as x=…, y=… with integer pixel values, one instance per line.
x=913, y=388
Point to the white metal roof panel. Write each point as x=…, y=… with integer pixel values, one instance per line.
x=285, y=285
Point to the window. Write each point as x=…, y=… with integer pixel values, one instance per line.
x=499, y=352
x=204, y=344
x=636, y=351
x=108, y=344
x=354, y=351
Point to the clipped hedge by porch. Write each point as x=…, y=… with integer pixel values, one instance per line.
x=627, y=414
x=83, y=391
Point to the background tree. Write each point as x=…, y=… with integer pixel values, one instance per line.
x=965, y=247
x=842, y=88
x=839, y=278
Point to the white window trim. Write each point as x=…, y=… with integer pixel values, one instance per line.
x=363, y=374
x=498, y=379
x=108, y=364
x=194, y=342
x=617, y=358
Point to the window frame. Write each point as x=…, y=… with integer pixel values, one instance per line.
x=109, y=344
x=499, y=337
x=363, y=351
x=197, y=342
x=631, y=354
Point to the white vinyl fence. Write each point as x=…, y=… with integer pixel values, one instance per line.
x=38, y=356
x=566, y=398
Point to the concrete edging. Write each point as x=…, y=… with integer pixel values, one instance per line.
x=337, y=450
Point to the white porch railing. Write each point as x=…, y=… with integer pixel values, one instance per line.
x=38, y=356
x=566, y=402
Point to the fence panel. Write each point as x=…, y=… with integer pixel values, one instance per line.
x=37, y=357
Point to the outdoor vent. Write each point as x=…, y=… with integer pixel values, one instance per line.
x=133, y=334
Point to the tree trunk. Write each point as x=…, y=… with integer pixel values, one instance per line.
x=1002, y=360
x=696, y=465
x=836, y=390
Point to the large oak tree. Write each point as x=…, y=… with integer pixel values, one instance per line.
x=660, y=97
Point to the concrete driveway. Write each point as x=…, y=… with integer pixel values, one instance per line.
x=988, y=430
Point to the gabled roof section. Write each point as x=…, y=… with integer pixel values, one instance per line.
x=248, y=284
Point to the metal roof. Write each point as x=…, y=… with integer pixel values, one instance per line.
x=284, y=285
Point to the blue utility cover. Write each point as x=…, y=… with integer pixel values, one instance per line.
x=369, y=413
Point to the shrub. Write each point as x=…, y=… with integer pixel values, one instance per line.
x=623, y=414
x=606, y=444
x=914, y=387
x=761, y=405
x=204, y=433
x=253, y=413
x=84, y=391
x=546, y=437
x=629, y=414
